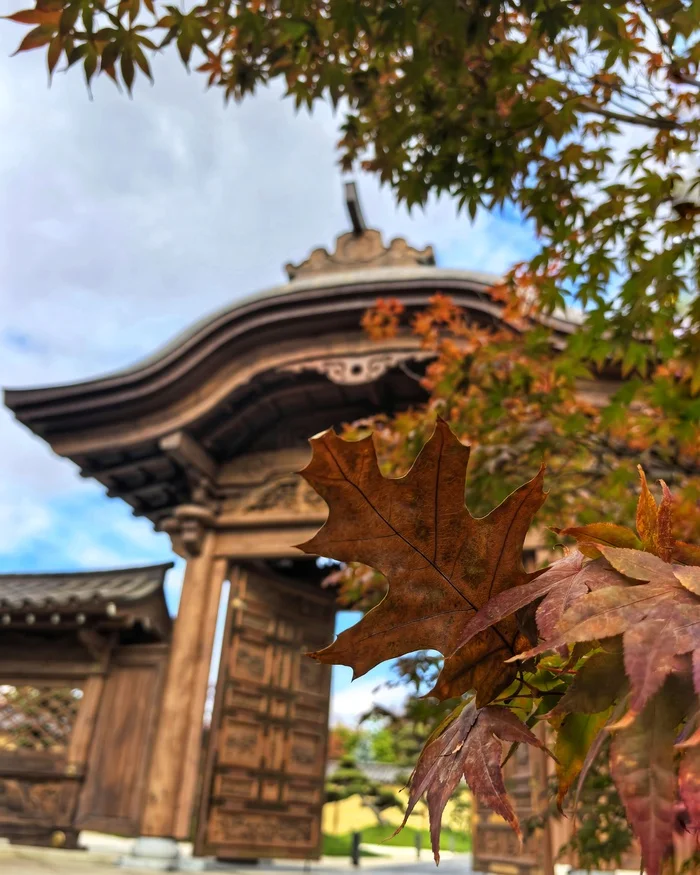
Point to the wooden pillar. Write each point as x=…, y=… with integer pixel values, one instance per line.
x=172, y=778
x=540, y=769
x=192, y=753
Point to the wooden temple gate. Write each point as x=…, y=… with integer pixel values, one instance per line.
x=203, y=439
x=82, y=663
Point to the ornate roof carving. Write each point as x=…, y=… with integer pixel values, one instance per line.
x=288, y=492
x=356, y=370
x=354, y=251
x=362, y=247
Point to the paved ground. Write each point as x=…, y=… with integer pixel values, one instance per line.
x=455, y=866
x=49, y=864
x=105, y=851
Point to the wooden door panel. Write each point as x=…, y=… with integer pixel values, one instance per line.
x=497, y=849
x=39, y=779
x=266, y=760
x=112, y=797
x=263, y=834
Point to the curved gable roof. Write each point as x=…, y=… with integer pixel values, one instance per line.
x=248, y=378
x=294, y=310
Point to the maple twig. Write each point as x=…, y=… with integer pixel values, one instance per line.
x=685, y=79
x=637, y=120
x=512, y=702
x=664, y=44
x=510, y=753
x=532, y=689
x=514, y=695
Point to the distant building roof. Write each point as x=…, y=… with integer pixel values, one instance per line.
x=360, y=248
x=120, y=597
x=384, y=773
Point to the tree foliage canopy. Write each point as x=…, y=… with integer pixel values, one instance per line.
x=582, y=116
x=516, y=400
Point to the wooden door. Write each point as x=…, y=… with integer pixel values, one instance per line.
x=264, y=775
x=113, y=795
x=496, y=847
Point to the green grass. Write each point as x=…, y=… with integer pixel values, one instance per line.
x=407, y=838
x=339, y=846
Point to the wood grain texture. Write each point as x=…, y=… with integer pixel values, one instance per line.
x=169, y=776
x=113, y=795
x=86, y=720
x=263, y=782
x=192, y=751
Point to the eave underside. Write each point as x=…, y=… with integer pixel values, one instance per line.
x=267, y=415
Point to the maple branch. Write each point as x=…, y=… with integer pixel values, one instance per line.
x=637, y=120
x=677, y=76
x=588, y=104
x=663, y=40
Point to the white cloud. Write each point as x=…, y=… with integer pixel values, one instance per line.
x=21, y=519
x=351, y=702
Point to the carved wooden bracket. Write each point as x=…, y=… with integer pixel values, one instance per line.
x=187, y=527
x=355, y=370
x=189, y=522
x=187, y=452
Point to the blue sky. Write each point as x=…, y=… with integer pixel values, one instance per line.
x=124, y=222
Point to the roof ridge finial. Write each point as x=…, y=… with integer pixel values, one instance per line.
x=352, y=203
x=360, y=248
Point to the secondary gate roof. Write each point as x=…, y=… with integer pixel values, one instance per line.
x=121, y=599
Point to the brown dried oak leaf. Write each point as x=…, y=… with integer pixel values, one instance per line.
x=469, y=746
x=442, y=564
